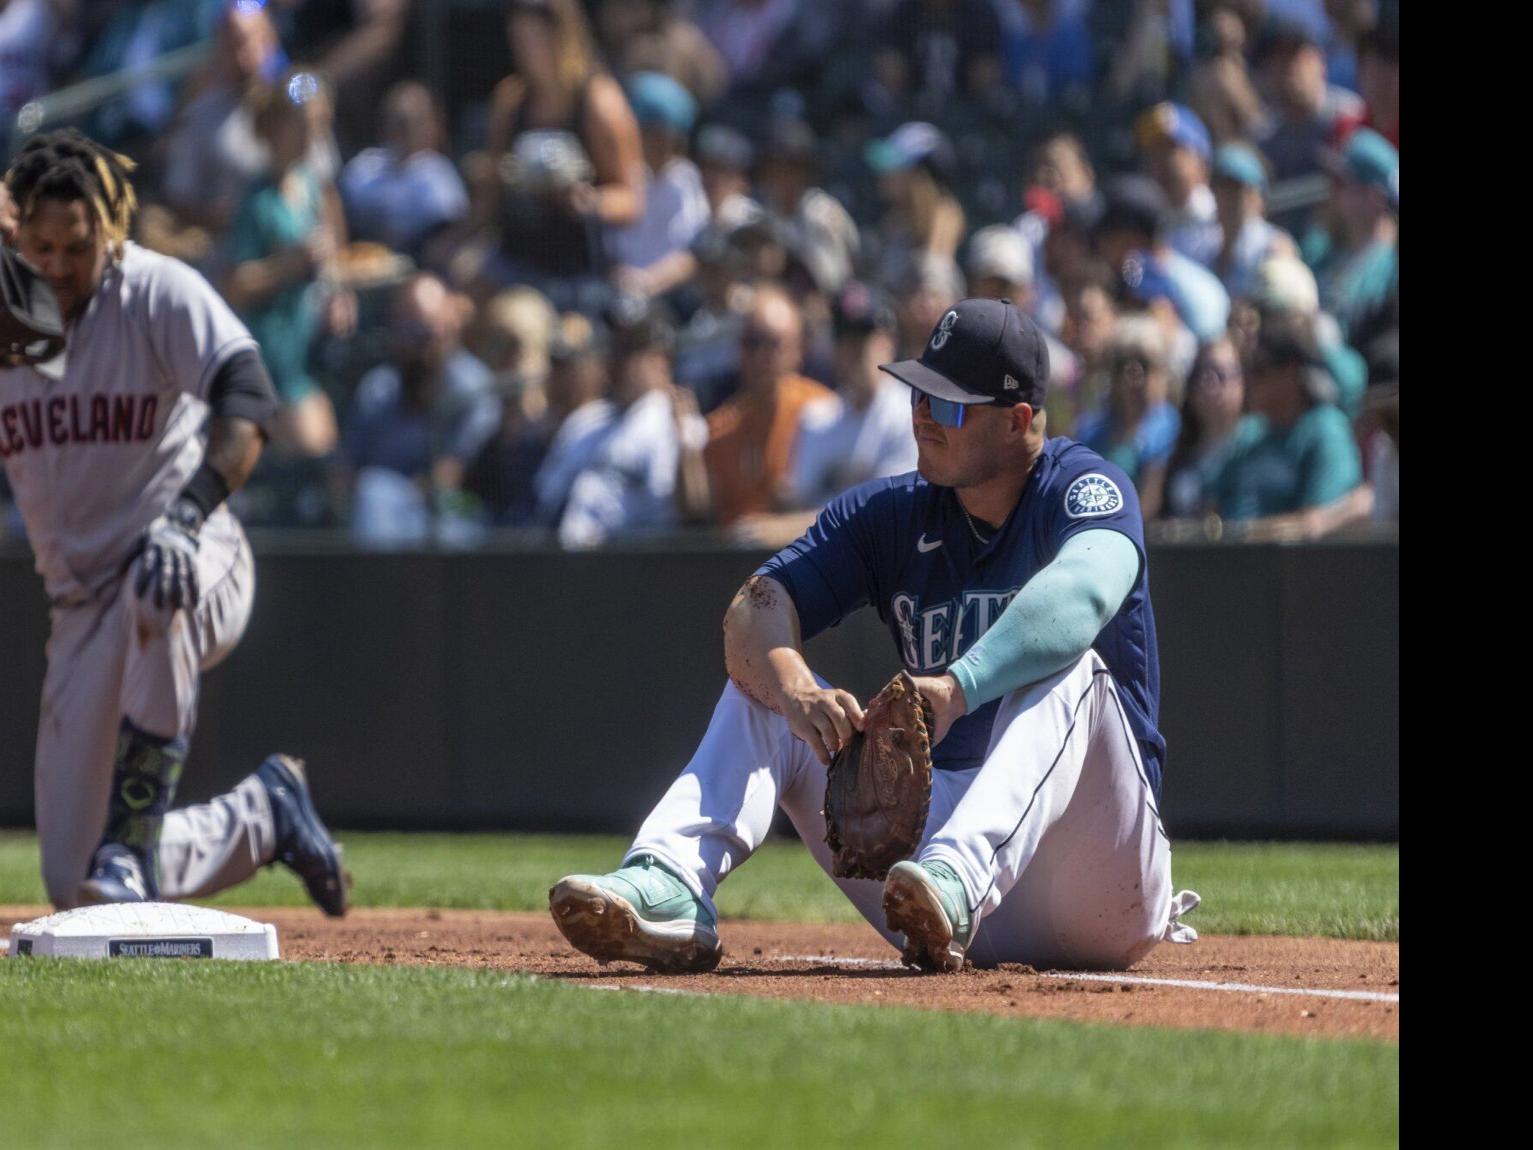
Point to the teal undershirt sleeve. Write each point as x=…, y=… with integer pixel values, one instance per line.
x=1054, y=619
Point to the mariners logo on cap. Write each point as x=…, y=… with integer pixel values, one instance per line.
x=944, y=329
x=1092, y=495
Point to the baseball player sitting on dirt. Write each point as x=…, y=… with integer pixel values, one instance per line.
x=150, y=577
x=1010, y=571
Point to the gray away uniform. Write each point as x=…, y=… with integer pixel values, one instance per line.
x=97, y=444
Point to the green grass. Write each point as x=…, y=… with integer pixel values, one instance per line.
x=212, y=1054
x=137, y=1053
x=1247, y=888
x=1333, y=891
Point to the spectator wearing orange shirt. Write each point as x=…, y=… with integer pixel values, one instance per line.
x=750, y=438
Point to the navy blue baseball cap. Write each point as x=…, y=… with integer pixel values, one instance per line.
x=981, y=351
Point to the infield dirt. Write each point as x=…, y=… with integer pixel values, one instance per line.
x=848, y=964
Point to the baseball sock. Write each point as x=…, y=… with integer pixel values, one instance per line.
x=144, y=782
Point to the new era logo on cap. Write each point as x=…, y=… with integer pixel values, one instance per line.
x=981, y=351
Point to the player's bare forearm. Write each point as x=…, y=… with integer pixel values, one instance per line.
x=234, y=448
x=763, y=655
x=761, y=643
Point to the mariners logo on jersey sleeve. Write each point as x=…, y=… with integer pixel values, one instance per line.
x=1091, y=496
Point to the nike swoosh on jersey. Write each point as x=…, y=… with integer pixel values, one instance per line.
x=923, y=546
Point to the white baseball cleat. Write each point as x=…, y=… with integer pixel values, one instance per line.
x=928, y=905
x=641, y=913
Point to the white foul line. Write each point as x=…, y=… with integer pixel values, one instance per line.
x=1136, y=979
x=839, y=960
x=648, y=990
x=1237, y=987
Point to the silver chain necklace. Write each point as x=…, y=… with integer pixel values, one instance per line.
x=970, y=522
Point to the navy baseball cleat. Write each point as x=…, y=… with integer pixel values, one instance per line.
x=116, y=875
x=303, y=844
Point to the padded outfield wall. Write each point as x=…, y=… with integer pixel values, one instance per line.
x=541, y=690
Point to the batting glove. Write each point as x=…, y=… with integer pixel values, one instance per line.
x=167, y=565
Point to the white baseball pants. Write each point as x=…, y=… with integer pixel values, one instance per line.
x=113, y=658
x=1056, y=836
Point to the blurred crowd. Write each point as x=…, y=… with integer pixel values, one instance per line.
x=631, y=265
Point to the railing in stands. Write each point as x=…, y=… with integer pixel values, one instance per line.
x=72, y=102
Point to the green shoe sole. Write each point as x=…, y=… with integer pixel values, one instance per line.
x=608, y=928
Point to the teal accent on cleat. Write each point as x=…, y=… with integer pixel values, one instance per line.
x=928, y=905
x=641, y=913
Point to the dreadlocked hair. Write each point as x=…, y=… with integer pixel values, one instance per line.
x=68, y=165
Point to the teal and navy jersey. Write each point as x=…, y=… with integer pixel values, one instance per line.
x=904, y=546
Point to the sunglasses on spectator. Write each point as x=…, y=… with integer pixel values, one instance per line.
x=1124, y=362
x=944, y=412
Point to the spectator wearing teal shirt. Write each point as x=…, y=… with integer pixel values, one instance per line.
x=1137, y=429
x=1295, y=461
x=283, y=239
x=1357, y=258
x=1283, y=287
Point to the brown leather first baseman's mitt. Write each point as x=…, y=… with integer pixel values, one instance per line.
x=880, y=784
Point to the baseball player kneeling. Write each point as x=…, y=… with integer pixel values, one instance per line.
x=121, y=451
x=1010, y=571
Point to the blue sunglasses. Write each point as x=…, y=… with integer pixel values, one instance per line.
x=944, y=411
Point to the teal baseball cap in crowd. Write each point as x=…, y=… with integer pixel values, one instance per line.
x=1240, y=164
x=658, y=100
x=908, y=145
x=1371, y=160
